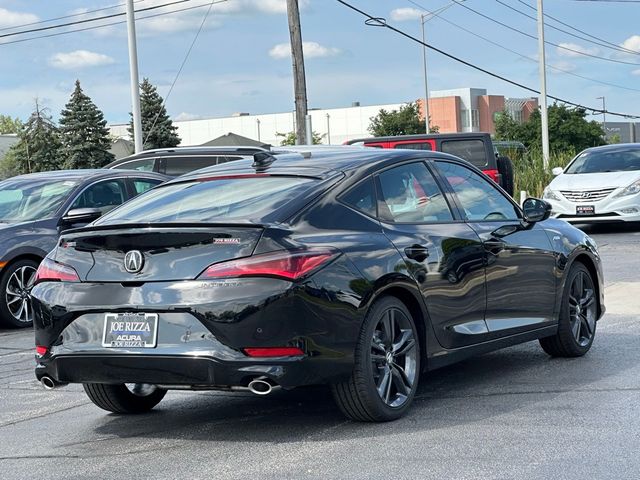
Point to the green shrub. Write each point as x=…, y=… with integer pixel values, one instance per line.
x=529, y=174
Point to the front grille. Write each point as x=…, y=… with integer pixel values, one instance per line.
x=586, y=196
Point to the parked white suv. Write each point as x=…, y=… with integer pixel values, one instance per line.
x=601, y=184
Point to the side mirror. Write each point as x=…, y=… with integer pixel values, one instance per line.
x=557, y=171
x=81, y=215
x=536, y=210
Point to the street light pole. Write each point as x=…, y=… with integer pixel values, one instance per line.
x=424, y=67
x=543, y=88
x=604, y=116
x=133, y=72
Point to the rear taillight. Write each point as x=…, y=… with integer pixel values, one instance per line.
x=287, y=264
x=52, y=271
x=41, y=351
x=274, y=352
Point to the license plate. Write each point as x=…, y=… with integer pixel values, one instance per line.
x=130, y=330
x=585, y=210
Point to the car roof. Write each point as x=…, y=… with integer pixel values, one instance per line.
x=316, y=161
x=85, y=174
x=188, y=151
x=614, y=147
x=422, y=136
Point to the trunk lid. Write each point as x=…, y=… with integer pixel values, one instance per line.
x=166, y=252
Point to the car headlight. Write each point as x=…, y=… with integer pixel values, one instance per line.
x=630, y=190
x=549, y=194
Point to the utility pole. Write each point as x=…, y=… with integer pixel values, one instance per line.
x=543, y=88
x=133, y=71
x=424, y=67
x=604, y=116
x=299, y=81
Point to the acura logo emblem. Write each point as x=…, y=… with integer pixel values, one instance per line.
x=133, y=261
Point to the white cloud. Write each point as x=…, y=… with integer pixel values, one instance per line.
x=578, y=50
x=14, y=19
x=632, y=43
x=79, y=59
x=181, y=117
x=310, y=49
x=405, y=14
x=636, y=72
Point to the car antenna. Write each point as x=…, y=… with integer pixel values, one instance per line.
x=262, y=161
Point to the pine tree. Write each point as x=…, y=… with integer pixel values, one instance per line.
x=85, y=136
x=38, y=147
x=157, y=128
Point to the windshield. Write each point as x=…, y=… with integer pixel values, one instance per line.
x=606, y=161
x=227, y=199
x=24, y=200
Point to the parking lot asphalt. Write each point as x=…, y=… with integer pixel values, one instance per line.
x=510, y=414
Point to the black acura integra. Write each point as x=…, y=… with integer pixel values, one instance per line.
x=352, y=267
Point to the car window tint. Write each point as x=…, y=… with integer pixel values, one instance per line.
x=362, y=197
x=221, y=199
x=410, y=194
x=144, y=165
x=176, y=166
x=479, y=199
x=414, y=146
x=141, y=185
x=104, y=195
x=472, y=151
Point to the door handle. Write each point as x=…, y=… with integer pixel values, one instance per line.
x=417, y=252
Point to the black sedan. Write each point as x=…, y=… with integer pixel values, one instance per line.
x=355, y=268
x=35, y=208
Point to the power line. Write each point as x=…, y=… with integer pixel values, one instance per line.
x=578, y=52
x=605, y=45
x=381, y=22
x=627, y=50
x=526, y=57
x=119, y=22
x=73, y=15
x=184, y=61
x=87, y=20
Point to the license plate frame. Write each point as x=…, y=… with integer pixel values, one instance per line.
x=585, y=210
x=132, y=331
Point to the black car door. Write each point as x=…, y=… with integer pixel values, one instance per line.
x=442, y=253
x=520, y=263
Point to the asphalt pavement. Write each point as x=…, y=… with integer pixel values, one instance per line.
x=511, y=414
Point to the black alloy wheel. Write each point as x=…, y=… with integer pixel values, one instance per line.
x=387, y=365
x=577, y=323
x=17, y=279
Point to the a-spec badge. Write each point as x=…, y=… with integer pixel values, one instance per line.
x=133, y=261
x=226, y=241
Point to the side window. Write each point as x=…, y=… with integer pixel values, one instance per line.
x=176, y=166
x=414, y=146
x=104, y=195
x=141, y=185
x=226, y=159
x=144, y=165
x=476, y=195
x=362, y=197
x=472, y=151
x=411, y=194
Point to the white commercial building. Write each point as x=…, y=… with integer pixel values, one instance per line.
x=336, y=125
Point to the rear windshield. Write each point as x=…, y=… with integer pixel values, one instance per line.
x=606, y=161
x=225, y=199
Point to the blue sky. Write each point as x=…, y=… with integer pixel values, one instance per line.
x=240, y=62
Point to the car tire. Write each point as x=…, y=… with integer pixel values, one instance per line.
x=383, y=383
x=17, y=278
x=505, y=169
x=124, y=399
x=578, y=314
